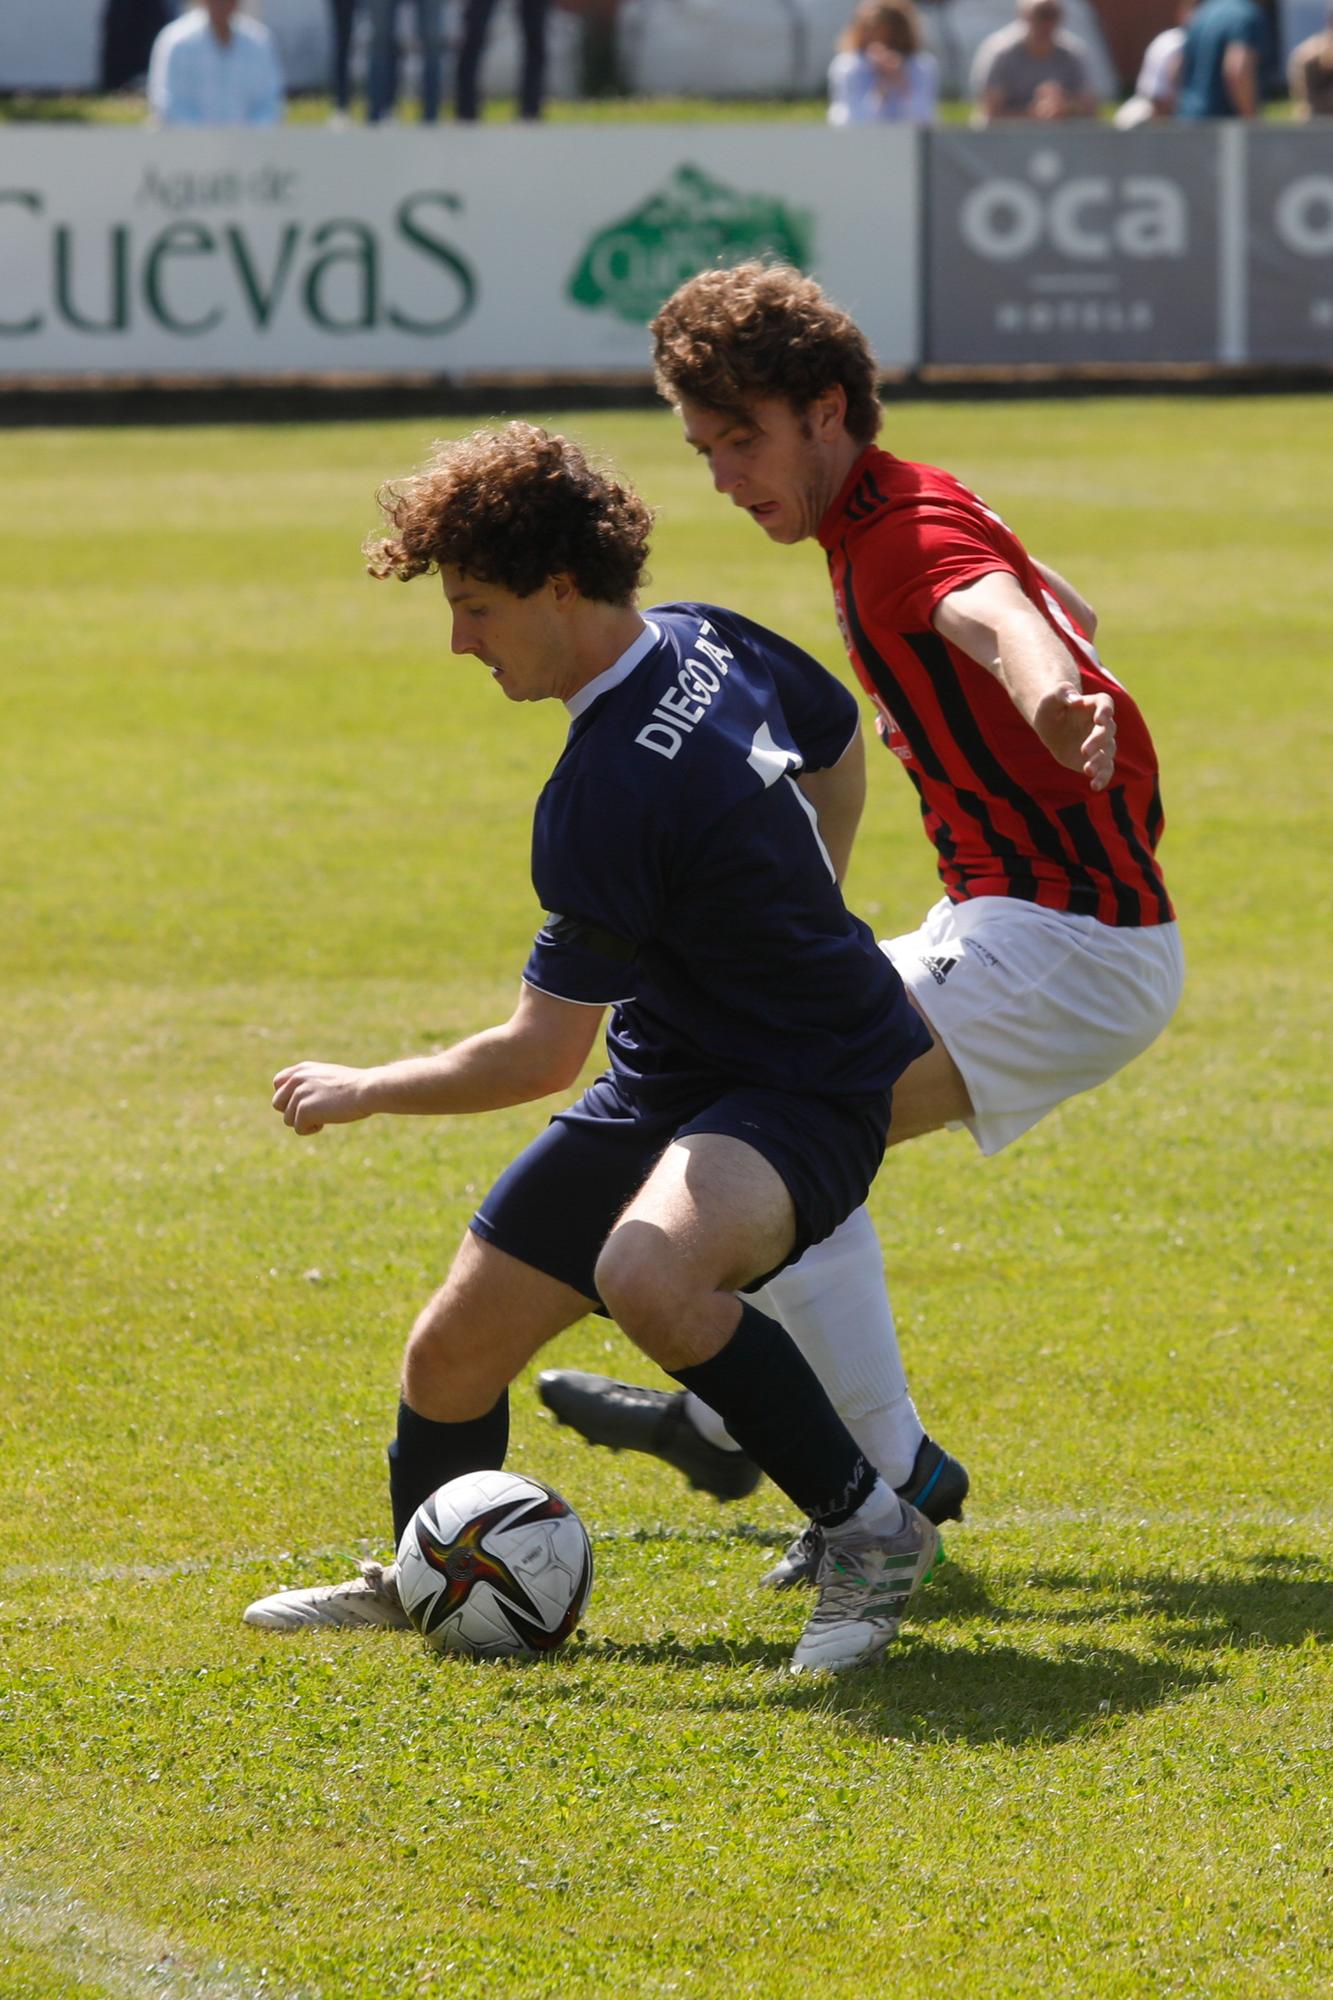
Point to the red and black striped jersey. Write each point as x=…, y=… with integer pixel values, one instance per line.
x=1005, y=818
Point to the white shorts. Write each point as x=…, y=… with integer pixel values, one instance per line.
x=1035, y=1005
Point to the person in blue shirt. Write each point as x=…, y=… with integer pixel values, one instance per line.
x=687, y=849
x=215, y=66
x=1222, y=61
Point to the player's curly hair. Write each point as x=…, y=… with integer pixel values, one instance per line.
x=726, y=338
x=513, y=507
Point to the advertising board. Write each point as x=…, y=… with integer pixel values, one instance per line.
x=1073, y=244
x=458, y=250
x=1290, y=245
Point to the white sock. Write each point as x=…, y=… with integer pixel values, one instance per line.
x=709, y=1424
x=835, y=1307
x=880, y=1514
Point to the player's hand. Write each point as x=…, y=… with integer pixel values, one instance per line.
x=1079, y=731
x=311, y=1095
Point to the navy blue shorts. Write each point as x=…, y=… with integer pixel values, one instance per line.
x=555, y=1205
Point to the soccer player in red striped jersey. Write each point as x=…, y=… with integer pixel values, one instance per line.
x=1052, y=958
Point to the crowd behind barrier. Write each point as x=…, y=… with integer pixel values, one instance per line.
x=880, y=61
x=664, y=47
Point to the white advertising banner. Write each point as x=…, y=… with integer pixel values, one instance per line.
x=130, y=253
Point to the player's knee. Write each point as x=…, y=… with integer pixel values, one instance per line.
x=445, y=1376
x=635, y=1278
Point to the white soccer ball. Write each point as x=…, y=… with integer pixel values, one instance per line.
x=494, y=1563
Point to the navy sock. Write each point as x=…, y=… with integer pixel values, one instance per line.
x=425, y=1454
x=776, y=1408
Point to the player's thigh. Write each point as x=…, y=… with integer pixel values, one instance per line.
x=929, y=1095
x=712, y=1216
x=481, y=1329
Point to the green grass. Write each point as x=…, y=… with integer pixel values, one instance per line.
x=253, y=811
x=130, y=108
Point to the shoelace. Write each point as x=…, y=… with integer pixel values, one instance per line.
x=809, y=1543
x=377, y=1580
x=843, y=1583
x=849, y=1587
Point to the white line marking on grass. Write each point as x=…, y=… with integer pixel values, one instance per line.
x=111, y=1953
x=1008, y=1521
x=23, y=1572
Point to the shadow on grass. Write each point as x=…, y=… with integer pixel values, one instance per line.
x=1275, y=1600
x=924, y=1693
x=987, y=1687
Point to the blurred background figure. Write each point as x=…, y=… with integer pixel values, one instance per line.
x=384, y=57
x=883, y=71
x=215, y=67
x=1310, y=75
x=129, y=29
x=342, y=22
x=1032, y=69
x=1226, y=49
x=476, y=27
x=1159, y=76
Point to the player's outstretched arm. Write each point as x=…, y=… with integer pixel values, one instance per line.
x=995, y=624
x=540, y=1049
x=1073, y=600
x=838, y=796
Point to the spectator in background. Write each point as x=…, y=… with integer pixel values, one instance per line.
x=1159, y=76
x=1310, y=75
x=1226, y=47
x=1032, y=69
x=883, y=73
x=384, y=58
x=342, y=21
x=477, y=14
x=215, y=67
x=129, y=29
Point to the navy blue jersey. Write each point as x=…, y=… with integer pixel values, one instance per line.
x=685, y=878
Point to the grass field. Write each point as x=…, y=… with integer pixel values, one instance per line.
x=253, y=811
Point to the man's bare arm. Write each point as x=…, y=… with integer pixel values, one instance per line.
x=995, y=624
x=1074, y=602
x=540, y=1049
x=1240, y=73
x=838, y=796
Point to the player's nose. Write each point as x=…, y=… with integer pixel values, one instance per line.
x=725, y=472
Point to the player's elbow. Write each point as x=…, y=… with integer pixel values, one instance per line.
x=541, y=1069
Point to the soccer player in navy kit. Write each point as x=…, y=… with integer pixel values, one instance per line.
x=1052, y=958
x=755, y=1036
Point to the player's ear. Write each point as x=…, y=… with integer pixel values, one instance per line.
x=827, y=413
x=564, y=591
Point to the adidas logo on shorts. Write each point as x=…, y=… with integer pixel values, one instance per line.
x=940, y=968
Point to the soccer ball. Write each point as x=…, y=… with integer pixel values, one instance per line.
x=494, y=1563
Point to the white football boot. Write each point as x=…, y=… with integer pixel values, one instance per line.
x=369, y=1599
x=864, y=1584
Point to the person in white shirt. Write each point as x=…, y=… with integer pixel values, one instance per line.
x=1159, y=75
x=882, y=71
x=215, y=67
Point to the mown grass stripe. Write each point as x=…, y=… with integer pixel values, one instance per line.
x=121, y=1957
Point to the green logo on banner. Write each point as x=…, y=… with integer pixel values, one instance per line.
x=632, y=265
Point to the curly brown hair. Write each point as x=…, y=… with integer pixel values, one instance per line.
x=728, y=338
x=513, y=507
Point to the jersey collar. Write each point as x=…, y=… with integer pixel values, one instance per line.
x=614, y=675
x=831, y=525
